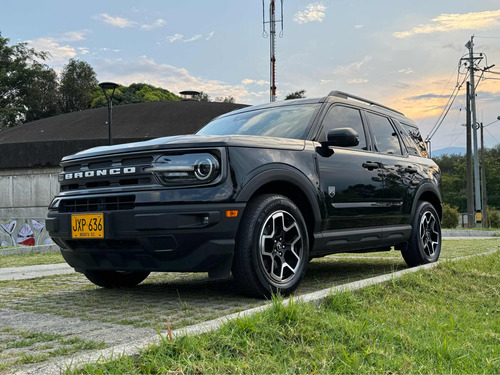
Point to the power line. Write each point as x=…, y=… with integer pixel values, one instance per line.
x=446, y=109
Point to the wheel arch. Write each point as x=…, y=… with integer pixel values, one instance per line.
x=429, y=193
x=291, y=183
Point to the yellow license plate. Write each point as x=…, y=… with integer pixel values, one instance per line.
x=87, y=226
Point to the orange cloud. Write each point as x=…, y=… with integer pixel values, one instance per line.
x=450, y=22
x=426, y=98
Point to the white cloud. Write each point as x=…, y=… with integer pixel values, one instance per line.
x=72, y=36
x=312, y=12
x=358, y=26
x=83, y=50
x=147, y=70
x=120, y=22
x=175, y=37
x=352, y=68
x=180, y=37
x=59, y=54
x=450, y=22
x=193, y=38
x=357, y=81
x=158, y=23
x=108, y=49
x=406, y=71
x=248, y=81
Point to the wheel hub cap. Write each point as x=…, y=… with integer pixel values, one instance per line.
x=280, y=247
x=429, y=233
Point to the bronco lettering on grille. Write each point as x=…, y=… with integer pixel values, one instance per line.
x=99, y=173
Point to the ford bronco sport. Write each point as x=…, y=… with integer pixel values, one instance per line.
x=257, y=192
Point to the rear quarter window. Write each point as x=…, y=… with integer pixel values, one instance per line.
x=416, y=137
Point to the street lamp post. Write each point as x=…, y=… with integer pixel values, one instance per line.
x=109, y=98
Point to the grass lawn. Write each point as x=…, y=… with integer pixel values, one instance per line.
x=440, y=321
x=31, y=259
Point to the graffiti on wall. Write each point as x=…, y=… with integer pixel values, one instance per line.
x=25, y=232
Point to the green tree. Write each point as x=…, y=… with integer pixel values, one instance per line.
x=204, y=97
x=135, y=93
x=42, y=96
x=226, y=99
x=296, y=95
x=78, y=82
x=454, y=182
x=28, y=88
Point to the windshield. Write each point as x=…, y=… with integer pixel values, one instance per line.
x=284, y=122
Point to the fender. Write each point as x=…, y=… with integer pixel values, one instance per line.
x=427, y=187
x=282, y=172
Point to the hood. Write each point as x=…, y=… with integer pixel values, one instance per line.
x=192, y=141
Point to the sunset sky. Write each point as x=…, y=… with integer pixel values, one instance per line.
x=404, y=54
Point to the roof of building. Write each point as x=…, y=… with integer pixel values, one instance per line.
x=44, y=142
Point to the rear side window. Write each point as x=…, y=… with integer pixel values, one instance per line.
x=386, y=138
x=407, y=140
x=345, y=117
x=415, y=135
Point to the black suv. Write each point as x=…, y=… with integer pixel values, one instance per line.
x=257, y=192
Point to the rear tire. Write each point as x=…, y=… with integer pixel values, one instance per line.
x=116, y=279
x=424, y=245
x=272, y=247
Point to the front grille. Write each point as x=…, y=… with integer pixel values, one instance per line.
x=96, y=174
x=98, y=204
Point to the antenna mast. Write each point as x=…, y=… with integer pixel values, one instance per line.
x=272, y=37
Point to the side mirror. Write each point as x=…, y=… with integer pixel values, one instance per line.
x=342, y=137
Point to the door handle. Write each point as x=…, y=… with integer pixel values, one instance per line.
x=411, y=169
x=370, y=165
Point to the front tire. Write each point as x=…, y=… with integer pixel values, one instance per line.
x=424, y=245
x=116, y=279
x=272, y=247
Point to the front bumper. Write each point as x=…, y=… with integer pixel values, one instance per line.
x=183, y=238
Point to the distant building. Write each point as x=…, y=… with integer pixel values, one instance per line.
x=30, y=154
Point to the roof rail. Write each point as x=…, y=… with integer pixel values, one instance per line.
x=344, y=95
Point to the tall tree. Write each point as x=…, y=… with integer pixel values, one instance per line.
x=296, y=95
x=42, y=96
x=26, y=84
x=78, y=81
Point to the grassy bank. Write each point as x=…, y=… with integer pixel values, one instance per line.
x=445, y=320
x=31, y=259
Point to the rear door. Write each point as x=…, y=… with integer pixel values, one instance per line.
x=400, y=173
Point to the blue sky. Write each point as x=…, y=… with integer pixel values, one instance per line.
x=401, y=53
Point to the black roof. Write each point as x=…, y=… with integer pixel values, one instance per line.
x=44, y=142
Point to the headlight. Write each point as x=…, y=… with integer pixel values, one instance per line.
x=186, y=169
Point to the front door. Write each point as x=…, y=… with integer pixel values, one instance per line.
x=350, y=178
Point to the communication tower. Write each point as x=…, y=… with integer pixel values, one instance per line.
x=272, y=38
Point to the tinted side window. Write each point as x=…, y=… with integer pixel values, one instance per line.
x=345, y=117
x=417, y=138
x=386, y=138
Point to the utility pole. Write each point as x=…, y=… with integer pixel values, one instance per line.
x=272, y=38
x=471, y=220
x=484, y=211
x=471, y=59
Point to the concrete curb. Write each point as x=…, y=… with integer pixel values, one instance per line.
x=134, y=348
x=469, y=233
x=32, y=272
x=52, y=248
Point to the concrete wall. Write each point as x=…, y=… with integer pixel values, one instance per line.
x=24, y=197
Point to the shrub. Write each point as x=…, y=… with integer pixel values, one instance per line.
x=493, y=218
x=450, y=216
